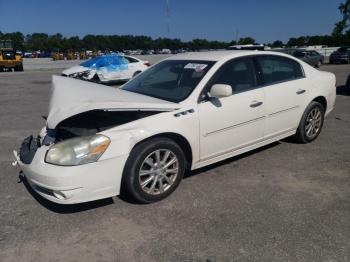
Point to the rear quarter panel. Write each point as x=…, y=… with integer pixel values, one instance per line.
x=321, y=84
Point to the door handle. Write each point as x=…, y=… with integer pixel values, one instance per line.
x=256, y=104
x=300, y=91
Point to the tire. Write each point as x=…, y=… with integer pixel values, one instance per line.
x=348, y=83
x=96, y=79
x=311, y=123
x=154, y=184
x=136, y=73
x=19, y=68
x=318, y=65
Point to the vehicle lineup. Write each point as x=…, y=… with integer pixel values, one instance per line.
x=107, y=68
x=183, y=113
x=311, y=57
x=340, y=56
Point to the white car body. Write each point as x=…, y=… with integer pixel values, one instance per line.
x=133, y=67
x=212, y=133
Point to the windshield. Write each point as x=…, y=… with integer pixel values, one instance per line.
x=171, y=80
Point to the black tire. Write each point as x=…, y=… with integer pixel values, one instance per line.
x=19, y=68
x=348, y=83
x=131, y=176
x=302, y=135
x=96, y=79
x=136, y=73
x=319, y=63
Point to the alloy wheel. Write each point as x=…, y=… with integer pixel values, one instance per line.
x=158, y=171
x=313, y=123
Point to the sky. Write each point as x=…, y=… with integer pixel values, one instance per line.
x=264, y=20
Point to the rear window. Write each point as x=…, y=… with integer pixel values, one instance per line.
x=278, y=69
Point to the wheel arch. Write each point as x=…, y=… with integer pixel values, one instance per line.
x=180, y=140
x=322, y=100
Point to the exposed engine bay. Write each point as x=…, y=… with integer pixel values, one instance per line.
x=94, y=121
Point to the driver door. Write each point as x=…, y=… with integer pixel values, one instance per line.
x=235, y=122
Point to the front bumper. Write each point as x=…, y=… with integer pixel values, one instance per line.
x=73, y=184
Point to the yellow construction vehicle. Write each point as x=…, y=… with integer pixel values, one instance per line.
x=9, y=59
x=57, y=56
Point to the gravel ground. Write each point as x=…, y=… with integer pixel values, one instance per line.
x=284, y=202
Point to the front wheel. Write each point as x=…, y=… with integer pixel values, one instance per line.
x=19, y=68
x=311, y=123
x=154, y=170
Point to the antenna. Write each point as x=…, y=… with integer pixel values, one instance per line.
x=167, y=14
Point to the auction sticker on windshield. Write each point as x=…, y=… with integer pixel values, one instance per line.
x=196, y=67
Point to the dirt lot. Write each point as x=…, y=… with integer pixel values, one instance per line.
x=284, y=202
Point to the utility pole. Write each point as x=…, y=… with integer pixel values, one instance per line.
x=167, y=14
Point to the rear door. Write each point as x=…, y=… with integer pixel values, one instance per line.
x=285, y=91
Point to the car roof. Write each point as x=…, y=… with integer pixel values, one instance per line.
x=220, y=55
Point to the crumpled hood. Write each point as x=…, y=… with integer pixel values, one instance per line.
x=71, y=97
x=75, y=69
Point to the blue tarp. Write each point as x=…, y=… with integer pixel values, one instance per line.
x=109, y=63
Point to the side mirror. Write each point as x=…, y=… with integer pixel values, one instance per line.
x=220, y=90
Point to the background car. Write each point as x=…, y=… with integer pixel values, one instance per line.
x=342, y=55
x=312, y=57
x=107, y=68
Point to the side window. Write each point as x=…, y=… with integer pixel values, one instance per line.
x=238, y=73
x=279, y=69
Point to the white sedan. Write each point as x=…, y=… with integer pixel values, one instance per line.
x=107, y=68
x=188, y=111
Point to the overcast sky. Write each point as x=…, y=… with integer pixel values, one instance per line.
x=264, y=20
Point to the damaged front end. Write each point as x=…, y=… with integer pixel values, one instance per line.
x=92, y=122
x=77, y=157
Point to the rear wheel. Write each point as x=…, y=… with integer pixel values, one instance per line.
x=19, y=68
x=154, y=170
x=136, y=73
x=311, y=123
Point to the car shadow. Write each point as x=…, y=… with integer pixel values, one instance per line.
x=343, y=90
x=60, y=208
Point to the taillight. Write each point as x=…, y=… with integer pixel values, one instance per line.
x=147, y=64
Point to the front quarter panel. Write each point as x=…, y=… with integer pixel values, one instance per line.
x=125, y=137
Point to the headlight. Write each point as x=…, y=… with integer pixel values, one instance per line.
x=80, y=74
x=77, y=151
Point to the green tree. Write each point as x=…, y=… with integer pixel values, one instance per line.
x=277, y=43
x=246, y=41
x=343, y=24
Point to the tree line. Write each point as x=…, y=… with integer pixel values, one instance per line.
x=56, y=42
x=44, y=42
